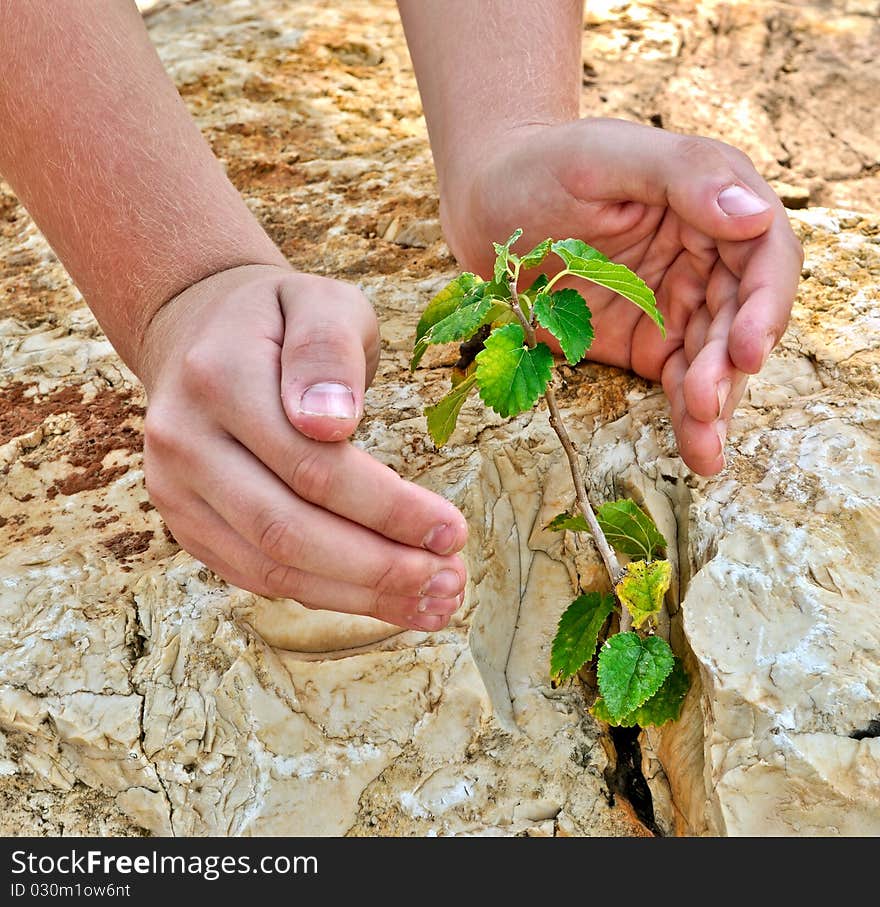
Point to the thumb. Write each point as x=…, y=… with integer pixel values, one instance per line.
x=711, y=186
x=329, y=355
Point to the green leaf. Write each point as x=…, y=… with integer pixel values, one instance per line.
x=461, y=324
x=451, y=297
x=566, y=316
x=573, y=521
x=642, y=588
x=577, y=634
x=574, y=251
x=665, y=705
x=631, y=670
x=511, y=377
x=503, y=255
x=443, y=415
x=630, y=530
x=538, y=284
x=590, y=264
x=536, y=256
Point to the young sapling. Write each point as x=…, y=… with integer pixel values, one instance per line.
x=641, y=681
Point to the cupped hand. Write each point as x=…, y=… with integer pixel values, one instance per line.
x=255, y=377
x=690, y=215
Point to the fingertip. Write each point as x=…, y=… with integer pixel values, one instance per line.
x=447, y=537
x=706, y=394
x=322, y=428
x=701, y=445
x=323, y=411
x=750, y=347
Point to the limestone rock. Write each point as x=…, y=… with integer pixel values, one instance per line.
x=139, y=692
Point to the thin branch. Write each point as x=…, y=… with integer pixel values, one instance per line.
x=612, y=565
x=531, y=339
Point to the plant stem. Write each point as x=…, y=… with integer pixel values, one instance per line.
x=612, y=565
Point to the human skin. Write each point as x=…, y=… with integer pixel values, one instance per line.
x=249, y=475
x=252, y=475
x=690, y=215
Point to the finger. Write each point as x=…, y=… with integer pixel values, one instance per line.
x=297, y=533
x=340, y=478
x=210, y=539
x=712, y=382
x=700, y=444
x=330, y=329
x=695, y=333
x=770, y=271
x=712, y=376
x=689, y=174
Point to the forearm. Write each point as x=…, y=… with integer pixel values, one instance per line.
x=100, y=149
x=484, y=68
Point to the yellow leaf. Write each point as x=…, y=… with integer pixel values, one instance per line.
x=643, y=587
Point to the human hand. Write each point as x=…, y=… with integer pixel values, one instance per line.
x=690, y=215
x=249, y=467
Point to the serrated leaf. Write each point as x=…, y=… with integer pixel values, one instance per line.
x=565, y=314
x=572, y=521
x=510, y=376
x=643, y=587
x=460, y=324
x=576, y=250
x=665, y=705
x=455, y=294
x=503, y=255
x=588, y=263
x=536, y=256
x=631, y=670
x=629, y=529
x=442, y=416
x=577, y=634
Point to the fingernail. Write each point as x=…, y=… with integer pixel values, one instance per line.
x=769, y=343
x=723, y=391
x=328, y=398
x=438, y=605
x=721, y=431
x=737, y=201
x=440, y=539
x=446, y=583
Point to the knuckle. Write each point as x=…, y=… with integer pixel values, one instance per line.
x=161, y=435
x=320, y=342
x=312, y=476
x=202, y=371
x=393, y=516
x=278, y=541
x=388, y=577
x=735, y=155
x=704, y=154
x=280, y=580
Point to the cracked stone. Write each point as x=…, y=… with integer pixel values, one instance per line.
x=141, y=694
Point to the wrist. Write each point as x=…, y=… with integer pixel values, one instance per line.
x=467, y=197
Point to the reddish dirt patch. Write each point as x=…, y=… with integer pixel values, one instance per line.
x=104, y=425
x=124, y=545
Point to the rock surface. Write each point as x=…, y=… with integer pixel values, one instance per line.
x=138, y=692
